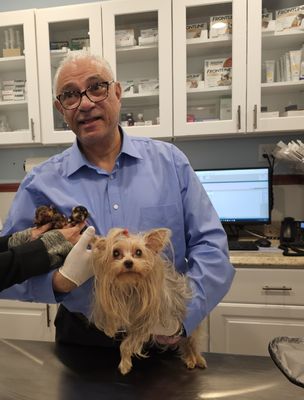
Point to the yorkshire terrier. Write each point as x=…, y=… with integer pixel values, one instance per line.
x=49, y=214
x=136, y=289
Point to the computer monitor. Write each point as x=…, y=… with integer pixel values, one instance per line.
x=240, y=196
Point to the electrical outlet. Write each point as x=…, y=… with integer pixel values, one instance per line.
x=266, y=148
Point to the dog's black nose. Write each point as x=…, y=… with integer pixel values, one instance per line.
x=128, y=264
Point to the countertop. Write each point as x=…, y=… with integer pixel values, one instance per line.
x=270, y=257
x=46, y=371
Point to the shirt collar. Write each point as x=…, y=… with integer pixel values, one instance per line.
x=78, y=160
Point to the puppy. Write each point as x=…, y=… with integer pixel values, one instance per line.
x=136, y=289
x=49, y=214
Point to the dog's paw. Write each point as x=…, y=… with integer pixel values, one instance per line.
x=195, y=360
x=124, y=367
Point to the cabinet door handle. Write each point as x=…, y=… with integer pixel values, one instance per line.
x=285, y=288
x=255, y=116
x=32, y=129
x=239, y=117
x=48, y=318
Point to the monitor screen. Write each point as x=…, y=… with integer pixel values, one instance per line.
x=239, y=195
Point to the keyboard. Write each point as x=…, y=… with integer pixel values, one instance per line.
x=242, y=245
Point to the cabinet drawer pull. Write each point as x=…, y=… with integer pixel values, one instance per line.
x=255, y=116
x=239, y=117
x=285, y=288
x=32, y=130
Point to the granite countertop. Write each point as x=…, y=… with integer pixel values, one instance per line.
x=265, y=257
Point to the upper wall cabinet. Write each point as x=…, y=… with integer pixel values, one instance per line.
x=275, y=65
x=19, y=104
x=137, y=44
x=209, y=58
x=60, y=30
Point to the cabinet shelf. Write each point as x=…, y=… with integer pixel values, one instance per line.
x=139, y=99
x=291, y=40
x=137, y=53
x=282, y=87
x=12, y=63
x=206, y=47
x=211, y=92
x=13, y=105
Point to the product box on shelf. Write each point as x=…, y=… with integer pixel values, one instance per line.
x=148, y=36
x=148, y=86
x=127, y=87
x=289, y=18
x=79, y=43
x=194, y=81
x=220, y=26
x=292, y=113
x=218, y=72
x=59, y=45
x=225, y=108
x=11, y=52
x=125, y=38
x=194, y=31
x=268, y=23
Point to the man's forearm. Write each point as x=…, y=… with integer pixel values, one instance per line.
x=62, y=284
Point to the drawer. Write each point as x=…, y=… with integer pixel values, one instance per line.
x=267, y=286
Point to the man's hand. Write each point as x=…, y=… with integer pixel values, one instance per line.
x=77, y=267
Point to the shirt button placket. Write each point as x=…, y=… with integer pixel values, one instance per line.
x=114, y=199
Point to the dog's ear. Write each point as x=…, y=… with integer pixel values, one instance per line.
x=116, y=232
x=99, y=243
x=157, y=239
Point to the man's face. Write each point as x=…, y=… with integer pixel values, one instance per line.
x=91, y=122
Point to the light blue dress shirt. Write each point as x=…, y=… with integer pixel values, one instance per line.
x=152, y=185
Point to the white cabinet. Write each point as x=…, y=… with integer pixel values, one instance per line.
x=272, y=47
x=261, y=304
x=27, y=321
x=206, y=99
x=252, y=103
x=59, y=30
x=137, y=43
x=19, y=99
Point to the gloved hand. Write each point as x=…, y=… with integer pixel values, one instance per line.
x=78, y=266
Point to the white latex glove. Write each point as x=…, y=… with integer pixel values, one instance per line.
x=172, y=327
x=77, y=266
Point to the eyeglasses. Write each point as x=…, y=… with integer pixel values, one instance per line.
x=97, y=92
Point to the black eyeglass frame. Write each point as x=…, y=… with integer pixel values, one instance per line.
x=84, y=93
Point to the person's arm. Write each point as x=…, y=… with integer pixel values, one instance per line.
x=209, y=270
x=22, y=262
x=4, y=243
x=25, y=256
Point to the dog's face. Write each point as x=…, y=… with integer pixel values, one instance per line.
x=126, y=257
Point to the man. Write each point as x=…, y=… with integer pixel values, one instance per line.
x=134, y=183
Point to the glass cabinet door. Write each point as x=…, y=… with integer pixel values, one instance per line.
x=137, y=44
x=19, y=106
x=276, y=65
x=61, y=30
x=209, y=58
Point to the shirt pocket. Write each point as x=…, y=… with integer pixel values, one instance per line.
x=165, y=216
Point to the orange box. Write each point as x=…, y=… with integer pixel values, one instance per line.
x=11, y=52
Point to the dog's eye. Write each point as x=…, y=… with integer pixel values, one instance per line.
x=138, y=252
x=116, y=253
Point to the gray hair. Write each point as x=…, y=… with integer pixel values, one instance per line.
x=73, y=56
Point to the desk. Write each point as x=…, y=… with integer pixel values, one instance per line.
x=45, y=371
